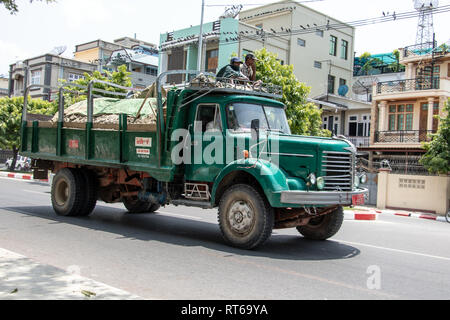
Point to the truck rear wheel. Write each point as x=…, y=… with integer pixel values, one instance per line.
x=67, y=193
x=90, y=189
x=324, y=227
x=138, y=206
x=246, y=220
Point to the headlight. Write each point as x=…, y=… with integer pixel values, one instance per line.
x=363, y=179
x=320, y=183
x=357, y=182
x=312, y=179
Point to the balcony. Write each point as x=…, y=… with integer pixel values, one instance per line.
x=407, y=137
x=419, y=84
x=360, y=142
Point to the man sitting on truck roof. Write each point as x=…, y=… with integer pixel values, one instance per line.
x=232, y=70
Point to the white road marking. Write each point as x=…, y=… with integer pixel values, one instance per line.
x=394, y=250
x=178, y=215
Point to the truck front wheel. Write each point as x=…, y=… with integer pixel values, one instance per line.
x=246, y=219
x=324, y=227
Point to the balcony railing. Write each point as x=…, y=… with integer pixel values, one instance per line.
x=409, y=136
x=418, y=84
x=419, y=49
x=359, y=141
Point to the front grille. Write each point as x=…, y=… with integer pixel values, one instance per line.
x=338, y=168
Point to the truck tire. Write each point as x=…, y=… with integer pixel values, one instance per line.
x=67, y=193
x=324, y=227
x=91, y=194
x=245, y=217
x=138, y=206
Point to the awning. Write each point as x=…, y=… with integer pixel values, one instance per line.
x=329, y=105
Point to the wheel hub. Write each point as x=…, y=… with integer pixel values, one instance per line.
x=241, y=217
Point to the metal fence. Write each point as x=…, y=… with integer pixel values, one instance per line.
x=403, y=136
x=418, y=84
x=5, y=155
x=398, y=164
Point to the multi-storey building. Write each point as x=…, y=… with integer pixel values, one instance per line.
x=353, y=117
x=99, y=51
x=141, y=61
x=322, y=56
x=404, y=111
x=140, y=57
x=45, y=70
x=3, y=86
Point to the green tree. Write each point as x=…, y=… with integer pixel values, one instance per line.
x=396, y=66
x=11, y=120
x=12, y=6
x=304, y=118
x=437, y=158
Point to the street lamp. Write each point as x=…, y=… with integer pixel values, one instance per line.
x=200, y=40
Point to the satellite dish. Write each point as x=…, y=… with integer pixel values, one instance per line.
x=425, y=4
x=343, y=90
x=59, y=50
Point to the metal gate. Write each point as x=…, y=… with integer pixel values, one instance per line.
x=372, y=185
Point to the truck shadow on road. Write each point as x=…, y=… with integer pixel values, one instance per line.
x=192, y=233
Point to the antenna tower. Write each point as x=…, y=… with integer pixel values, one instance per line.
x=425, y=28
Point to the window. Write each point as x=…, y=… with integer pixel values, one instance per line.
x=74, y=77
x=36, y=77
x=301, y=42
x=331, y=83
x=319, y=33
x=333, y=45
x=208, y=119
x=428, y=78
x=317, y=64
x=241, y=115
x=151, y=71
x=344, y=50
x=212, y=60
x=342, y=82
x=353, y=126
x=401, y=117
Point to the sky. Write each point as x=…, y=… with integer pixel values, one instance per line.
x=39, y=27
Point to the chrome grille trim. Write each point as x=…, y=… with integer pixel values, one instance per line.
x=338, y=170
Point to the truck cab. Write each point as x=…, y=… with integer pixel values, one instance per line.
x=216, y=144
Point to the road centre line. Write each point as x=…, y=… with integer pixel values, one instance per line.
x=393, y=250
x=178, y=215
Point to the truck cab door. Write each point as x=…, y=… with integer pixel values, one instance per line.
x=207, y=143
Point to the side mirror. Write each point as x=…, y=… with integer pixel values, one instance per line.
x=255, y=130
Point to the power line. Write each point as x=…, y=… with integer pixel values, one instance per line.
x=265, y=34
x=260, y=35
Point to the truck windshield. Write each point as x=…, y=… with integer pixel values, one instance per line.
x=241, y=115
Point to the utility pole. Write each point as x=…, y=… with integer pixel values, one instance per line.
x=200, y=40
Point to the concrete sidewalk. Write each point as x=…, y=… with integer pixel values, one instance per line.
x=24, y=279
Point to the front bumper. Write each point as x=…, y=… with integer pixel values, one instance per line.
x=321, y=197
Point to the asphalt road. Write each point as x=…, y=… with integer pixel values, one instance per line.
x=179, y=253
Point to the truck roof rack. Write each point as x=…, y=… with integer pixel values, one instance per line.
x=208, y=83
x=235, y=86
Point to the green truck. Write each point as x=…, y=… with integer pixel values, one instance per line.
x=217, y=144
